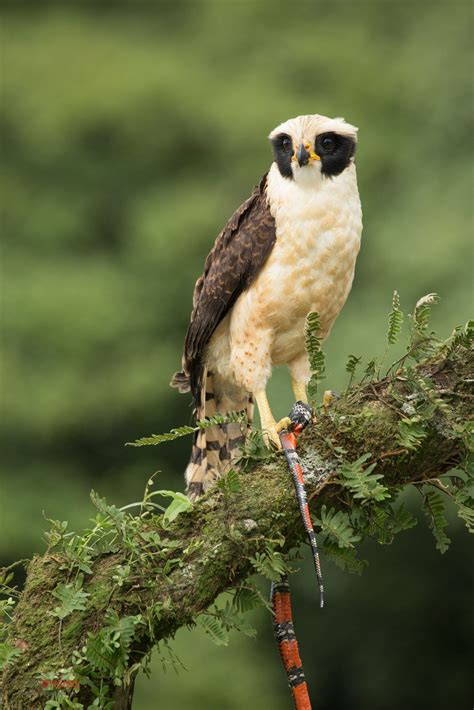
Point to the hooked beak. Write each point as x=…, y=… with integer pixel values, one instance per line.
x=302, y=155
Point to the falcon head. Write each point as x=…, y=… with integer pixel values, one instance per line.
x=313, y=145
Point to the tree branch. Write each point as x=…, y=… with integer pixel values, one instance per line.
x=171, y=573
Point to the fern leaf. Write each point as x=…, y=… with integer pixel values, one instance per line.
x=315, y=354
x=176, y=433
x=337, y=525
x=229, y=483
x=232, y=619
x=370, y=370
x=363, y=482
x=464, y=499
x=270, y=564
x=246, y=599
x=434, y=507
x=395, y=320
x=345, y=558
x=214, y=628
x=422, y=313
x=411, y=432
x=110, y=511
x=461, y=337
x=8, y=654
x=72, y=598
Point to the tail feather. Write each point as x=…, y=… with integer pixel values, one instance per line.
x=180, y=381
x=216, y=448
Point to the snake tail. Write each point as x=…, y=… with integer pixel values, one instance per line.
x=285, y=638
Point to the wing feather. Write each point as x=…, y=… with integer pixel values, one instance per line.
x=238, y=254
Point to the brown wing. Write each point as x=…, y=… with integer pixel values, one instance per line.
x=239, y=253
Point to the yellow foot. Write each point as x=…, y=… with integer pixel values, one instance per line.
x=283, y=424
x=271, y=432
x=329, y=397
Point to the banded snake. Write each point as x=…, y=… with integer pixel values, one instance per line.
x=283, y=629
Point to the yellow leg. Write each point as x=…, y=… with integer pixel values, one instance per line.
x=329, y=397
x=269, y=426
x=299, y=390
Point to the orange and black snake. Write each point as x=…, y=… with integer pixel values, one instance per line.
x=283, y=628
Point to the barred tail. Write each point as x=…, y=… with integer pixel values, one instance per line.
x=215, y=448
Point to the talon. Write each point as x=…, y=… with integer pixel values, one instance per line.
x=329, y=397
x=283, y=424
x=271, y=438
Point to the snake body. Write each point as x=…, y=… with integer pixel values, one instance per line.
x=283, y=629
x=285, y=637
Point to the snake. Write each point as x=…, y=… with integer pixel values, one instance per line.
x=280, y=597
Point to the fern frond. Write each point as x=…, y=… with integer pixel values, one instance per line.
x=111, y=511
x=345, y=558
x=411, y=432
x=462, y=336
x=214, y=628
x=384, y=521
x=422, y=313
x=8, y=654
x=337, y=525
x=351, y=364
x=247, y=599
x=434, y=507
x=176, y=433
x=464, y=499
x=362, y=482
x=269, y=563
x=72, y=598
x=315, y=354
x=395, y=320
x=229, y=483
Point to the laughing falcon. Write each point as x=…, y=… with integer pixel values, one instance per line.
x=289, y=249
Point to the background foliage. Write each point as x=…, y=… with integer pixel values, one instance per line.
x=130, y=132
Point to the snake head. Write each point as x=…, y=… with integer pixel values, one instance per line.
x=300, y=416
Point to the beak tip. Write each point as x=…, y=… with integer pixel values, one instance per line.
x=302, y=155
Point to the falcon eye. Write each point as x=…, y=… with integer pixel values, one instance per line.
x=328, y=143
x=286, y=143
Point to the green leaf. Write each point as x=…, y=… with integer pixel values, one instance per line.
x=8, y=654
x=383, y=521
x=232, y=619
x=345, y=558
x=246, y=599
x=337, y=525
x=269, y=563
x=178, y=505
x=229, y=483
x=110, y=511
x=72, y=598
x=434, y=507
x=351, y=366
x=156, y=439
x=214, y=628
x=411, y=432
x=422, y=313
x=395, y=320
x=253, y=451
x=461, y=337
x=315, y=354
x=107, y=649
x=371, y=370
x=464, y=499
x=363, y=482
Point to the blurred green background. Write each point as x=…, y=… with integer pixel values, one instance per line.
x=130, y=133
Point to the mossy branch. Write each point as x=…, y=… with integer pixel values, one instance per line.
x=157, y=575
